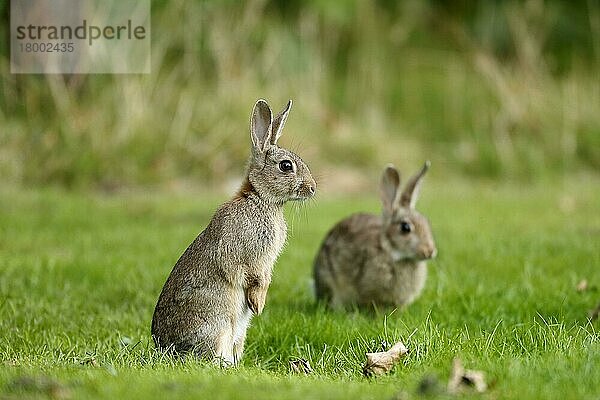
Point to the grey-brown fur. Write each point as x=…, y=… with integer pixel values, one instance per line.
x=222, y=278
x=366, y=260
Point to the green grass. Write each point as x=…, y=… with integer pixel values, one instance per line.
x=80, y=274
x=493, y=89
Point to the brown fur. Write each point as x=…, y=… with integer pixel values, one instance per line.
x=222, y=278
x=365, y=259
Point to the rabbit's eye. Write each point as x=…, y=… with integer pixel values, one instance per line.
x=286, y=166
x=405, y=227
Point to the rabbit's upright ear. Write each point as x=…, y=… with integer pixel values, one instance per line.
x=389, y=190
x=279, y=122
x=411, y=191
x=261, y=126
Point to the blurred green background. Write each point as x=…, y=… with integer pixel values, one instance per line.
x=502, y=90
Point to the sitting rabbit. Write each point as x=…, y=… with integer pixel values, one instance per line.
x=371, y=260
x=222, y=278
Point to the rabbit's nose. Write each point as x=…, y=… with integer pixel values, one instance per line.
x=428, y=252
x=433, y=253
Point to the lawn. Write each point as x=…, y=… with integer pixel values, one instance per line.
x=80, y=274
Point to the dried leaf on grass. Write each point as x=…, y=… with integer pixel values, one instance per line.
x=582, y=286
x=461, y=379
x=300, y=366
x=382, y=362
x=91, y=361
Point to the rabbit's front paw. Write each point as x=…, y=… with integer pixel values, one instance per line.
x=256, y=297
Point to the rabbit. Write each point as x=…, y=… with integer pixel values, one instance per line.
x=221, y=279
x=368, y=260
